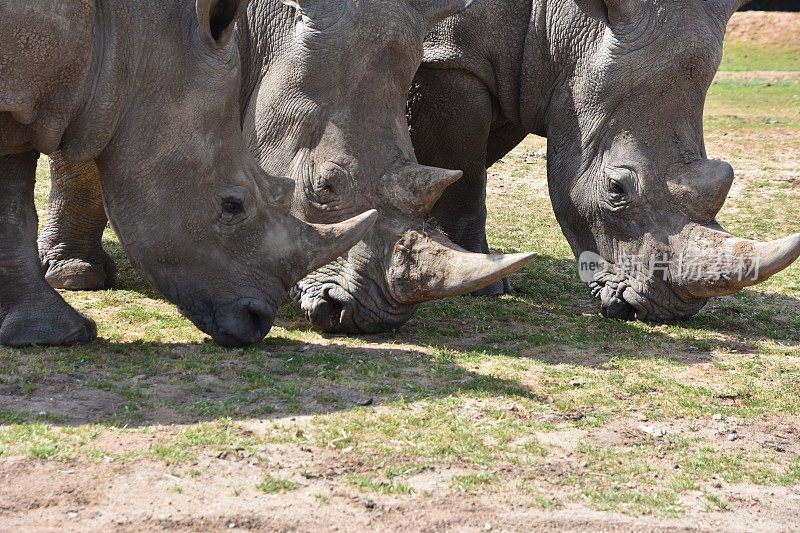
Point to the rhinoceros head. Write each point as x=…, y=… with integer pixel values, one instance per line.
x=331, y=113
x=629, y=175
x=192, y=208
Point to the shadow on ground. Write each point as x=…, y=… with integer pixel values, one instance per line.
x=551, y=319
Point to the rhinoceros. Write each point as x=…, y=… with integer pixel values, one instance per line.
x=341, y=133
x=147, y=94
x=618, y=88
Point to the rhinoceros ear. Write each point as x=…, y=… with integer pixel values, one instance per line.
x=436, y=11
x=613, y=13
x=217, y=19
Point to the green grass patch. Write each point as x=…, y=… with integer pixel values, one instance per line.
x=271, y=485
x=365, y=483
x=472, y=482
x=747, y=56
x=753, y=104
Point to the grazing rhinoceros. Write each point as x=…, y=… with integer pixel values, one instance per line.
x=618, y=88
x=148, y=90
x=325, y=88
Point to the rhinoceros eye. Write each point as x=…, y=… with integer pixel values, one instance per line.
x=621, y=188
x=616, y=192
x=232, y=206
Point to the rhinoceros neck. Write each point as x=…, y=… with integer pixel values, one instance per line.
x=271, y=84
x=107, y=86
x=560, y=39
x=259, y=38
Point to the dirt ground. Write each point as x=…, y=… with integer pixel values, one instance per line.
x=214, y=492
x=764, y=27
x=139, y=496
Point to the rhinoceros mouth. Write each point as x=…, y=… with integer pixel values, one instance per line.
x=333, y=309
x=650, y=300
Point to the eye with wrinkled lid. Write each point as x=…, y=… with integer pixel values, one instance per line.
x=621, y=185
x=232, y=206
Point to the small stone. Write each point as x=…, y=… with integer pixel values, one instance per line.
x=717, y=417
x=72, y=514
x=732, y=436
x=42, y=413
x=304, y=348
x=487, y=526
x=653, y=431
x=232, y=525
x=369, y=503
x=642, y=417
x=364, y=402
x=576, y=383
x=692, y=349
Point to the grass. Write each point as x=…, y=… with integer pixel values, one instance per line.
x=474, y=395
x=365, y=483
x=271, y=485
x=743, y=56
x=754, y=104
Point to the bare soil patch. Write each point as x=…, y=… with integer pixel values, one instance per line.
x=763, y=27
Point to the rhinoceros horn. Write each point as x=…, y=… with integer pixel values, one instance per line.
x=417, y=188
x=701, y=188
x=316, y=245
x=428, y=267
x=715, y=263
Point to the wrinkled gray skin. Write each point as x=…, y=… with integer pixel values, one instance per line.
x=342, y=134
x=348, y=146
x=618, y=88
x=145, y=95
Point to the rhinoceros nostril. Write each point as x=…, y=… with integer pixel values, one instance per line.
x=242, y=323
x=326, y=313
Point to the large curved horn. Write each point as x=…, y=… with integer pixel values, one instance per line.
x=717, y=264
x=429, y=267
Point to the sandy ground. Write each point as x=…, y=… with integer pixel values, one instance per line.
x=141, y=495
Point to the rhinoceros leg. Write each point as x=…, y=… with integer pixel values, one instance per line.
x=70, y=246
x=451, y=114
x=31, y=312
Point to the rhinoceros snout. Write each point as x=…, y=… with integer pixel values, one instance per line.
x=242, y=323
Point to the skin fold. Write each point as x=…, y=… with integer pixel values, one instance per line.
x=143, y=96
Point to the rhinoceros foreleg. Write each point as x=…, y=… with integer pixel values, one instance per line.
x=70, y=246
x=451, y=114
x=31, y=312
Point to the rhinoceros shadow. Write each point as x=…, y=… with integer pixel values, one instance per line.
x=550, y=325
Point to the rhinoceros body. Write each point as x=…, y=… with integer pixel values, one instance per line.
x=341, y=134
x=145, y=93
x=618, y=88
